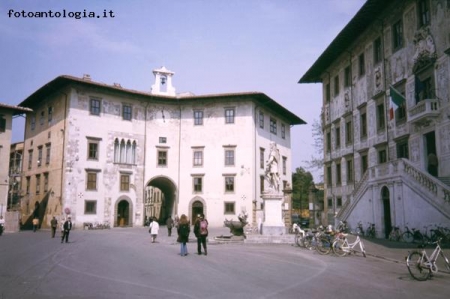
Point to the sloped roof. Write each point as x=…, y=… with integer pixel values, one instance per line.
x=16, y=109
x=65, y=80
x=368, y=13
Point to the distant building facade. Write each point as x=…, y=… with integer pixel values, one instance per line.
x=7, y=183
x=102, y=153
x=386, y=116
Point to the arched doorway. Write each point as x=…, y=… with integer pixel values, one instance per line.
x=160, y=199
x=123, y=213
x=197, y=208
x=385, y=197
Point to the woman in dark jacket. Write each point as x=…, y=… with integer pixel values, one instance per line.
x=183, y=231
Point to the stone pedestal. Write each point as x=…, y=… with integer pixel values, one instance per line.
x=273, y=224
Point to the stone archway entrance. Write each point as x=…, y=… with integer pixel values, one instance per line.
x=123, y=213
x=385, y=197
x=197, y=208
x=160, y=199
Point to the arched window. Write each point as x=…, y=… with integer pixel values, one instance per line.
x=128, y=160
x=116, y=151
x=133, y=153
x=123, y=153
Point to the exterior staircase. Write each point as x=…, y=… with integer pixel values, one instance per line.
x=434, y=191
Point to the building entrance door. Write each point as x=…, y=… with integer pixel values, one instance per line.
x=123, y=213
x=197, y=208
x=385, y=197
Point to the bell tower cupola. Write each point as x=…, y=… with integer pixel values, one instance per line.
x=163, y=82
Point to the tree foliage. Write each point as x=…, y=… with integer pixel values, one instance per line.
x=301, y=184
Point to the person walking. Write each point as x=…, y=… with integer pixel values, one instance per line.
x=67, y=227
x=183, y=231
x=2, y=225
x=169, y=224
x=35, y=224
x=54, y=224
x=154, y=228
x=201, y=233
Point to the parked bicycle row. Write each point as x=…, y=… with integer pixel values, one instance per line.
x=417, y=236
x=327, y=240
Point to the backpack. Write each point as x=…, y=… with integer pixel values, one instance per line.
x=184, y=230
x=203, y=227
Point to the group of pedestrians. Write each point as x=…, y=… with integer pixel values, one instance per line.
x=66, y=227
x=183, y=228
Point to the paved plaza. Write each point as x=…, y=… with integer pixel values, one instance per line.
x=123, y=263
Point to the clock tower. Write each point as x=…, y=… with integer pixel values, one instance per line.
x=163, y=82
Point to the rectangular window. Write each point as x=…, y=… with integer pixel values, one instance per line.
x=91, y=181
x=329, y=176
x=328, y=142
x=124, y=182
x=364, y=164
x=50, y=114
x=362, y=64
x=381, y=122
x=328, y=93
x=397, y=35
x=229, y=115
x=92, y=150
x=336, y=86
x=400, y=112
x=198, y=117
x=90, y=207
x=94, y=107
x=229, y=208
x=363, y=120
x=347, y=77
x=229, y=184
x=382, y=156
x=402, y=149
x=42, y=118
x=198, y=184
x=33, y=122
x=261, y=119
x=38, y=183
x=30, y=158
x=45, y=182
x=348, y=132
x=284, y=164
x=377, y=51
x=162, y=158
x=330, y=203
x=39, y=160
x=48, y=150
x=229, y=157
x=283, y=131
x=273, y=126
x=338, y=137
x=198, y=158
x=27, y=188
x=338, y=174
x=162, y=140
x=126, y=112
x=339, y=202
x=261, y=158
x=349, y=171
x=424, y=12
x=261, y=183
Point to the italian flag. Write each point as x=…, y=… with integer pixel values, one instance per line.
x=397, y=99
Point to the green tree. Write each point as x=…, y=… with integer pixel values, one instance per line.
x=301, y=184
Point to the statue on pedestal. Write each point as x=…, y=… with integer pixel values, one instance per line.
x=273, y=167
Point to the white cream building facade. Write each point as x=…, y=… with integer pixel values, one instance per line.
x=95, y=151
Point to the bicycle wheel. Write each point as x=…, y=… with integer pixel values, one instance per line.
x=416, y=268
x=300, y=241
x=339, y=248
x=323, y=246
x=408, y=237
x=307, y=242
x=363, y=249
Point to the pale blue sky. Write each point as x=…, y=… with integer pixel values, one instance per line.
x=212, y=46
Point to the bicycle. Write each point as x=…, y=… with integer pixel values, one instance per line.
x=420, y=265
x=371, y=230
x=360, y=229
x=395, y=234
x=412, y=235
x=341, y=247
